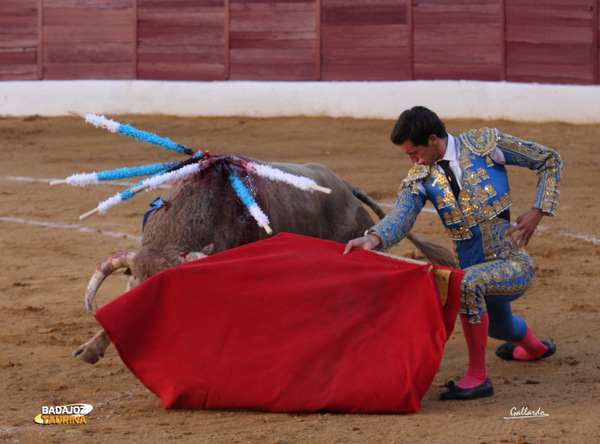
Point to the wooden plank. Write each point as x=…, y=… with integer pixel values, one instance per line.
x=178, y=36
x=96, y=17
x=331, y=4
x=595, y=43
x=550, y=73
x=545, y=53
x=227, y=33
x=40, y=39
x=18, y=58
x=373, y=56
x=272, y=56
x=184, y=17
x=10, y=5
x=456, y=34
x=133, y=43
x=18, y=31
x=549, y=34
x=547, y=80
x=319, y=37
x=67, y=71
x=272, y=71
x=278, y=6
x=547, y=3
x=214, y=56
x=267, y=1
x=468, y=54
x=529, y=15
x=291, y=40
x=17, y=22
x=184, y=50
x=453, y=2
x=485, y=72
x=449, y=2
x=83, y=33
x=181, y=71
x=87, y=53
x=364, y=16
x=88, y=4
x=456, y=13
x=272, y=21
x=411, y=39
x=373, y=73
x=365, y=36
x=179, y=3
x=17, y=41
x=18, y=72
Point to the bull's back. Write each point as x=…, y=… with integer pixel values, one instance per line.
x=338, y=216
x=203, y=209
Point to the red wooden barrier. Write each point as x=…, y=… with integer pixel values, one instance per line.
x=547, y=41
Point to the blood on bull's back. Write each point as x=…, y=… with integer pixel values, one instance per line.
x=203, y=209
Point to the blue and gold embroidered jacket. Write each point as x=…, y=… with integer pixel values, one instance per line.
x=485, y=192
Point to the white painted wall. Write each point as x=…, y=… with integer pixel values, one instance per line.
x=362, y=100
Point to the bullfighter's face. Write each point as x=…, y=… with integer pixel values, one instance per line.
x=425, y=154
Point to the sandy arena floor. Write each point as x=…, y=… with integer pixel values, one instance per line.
x=49, y=255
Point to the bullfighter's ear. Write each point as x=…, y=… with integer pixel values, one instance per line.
x=209, y=249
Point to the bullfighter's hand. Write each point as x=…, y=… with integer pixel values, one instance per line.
x=525, y=226
x=367, y=242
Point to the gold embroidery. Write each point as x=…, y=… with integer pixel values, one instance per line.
x=480, y=141
x=458, y=233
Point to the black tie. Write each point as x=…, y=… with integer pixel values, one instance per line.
x=445, y=164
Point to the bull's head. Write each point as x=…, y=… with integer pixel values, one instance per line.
x=124, y=259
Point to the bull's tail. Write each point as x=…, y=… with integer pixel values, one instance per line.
x=435, y=254
x=366, y=199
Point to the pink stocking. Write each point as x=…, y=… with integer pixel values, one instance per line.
x=476, y=337
x=529, y=348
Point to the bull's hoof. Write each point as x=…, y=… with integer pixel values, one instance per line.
x=89, y=354
x=94, y=349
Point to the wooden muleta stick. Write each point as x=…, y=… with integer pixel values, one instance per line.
x=401, y=258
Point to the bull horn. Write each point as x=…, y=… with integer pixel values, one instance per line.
x=112, y=263
x=190, y=256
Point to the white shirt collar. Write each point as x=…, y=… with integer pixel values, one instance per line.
x=451, y=153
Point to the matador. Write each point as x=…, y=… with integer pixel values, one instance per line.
x=465, y=179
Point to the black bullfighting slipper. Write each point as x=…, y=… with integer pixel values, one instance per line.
x=505, y=351
x=453, y=391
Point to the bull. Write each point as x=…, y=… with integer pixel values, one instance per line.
x=202, y=215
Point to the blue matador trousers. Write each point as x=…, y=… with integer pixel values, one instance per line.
x=496, y=274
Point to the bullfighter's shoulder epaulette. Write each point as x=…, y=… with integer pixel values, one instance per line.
x=416, y=173
x=480, y=141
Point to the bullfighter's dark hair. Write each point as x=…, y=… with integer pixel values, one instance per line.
x=417, y=124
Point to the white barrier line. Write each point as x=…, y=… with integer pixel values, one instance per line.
x=76, y=227
x=583, y=237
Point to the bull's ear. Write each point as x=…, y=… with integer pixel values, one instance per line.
x=209, y=249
